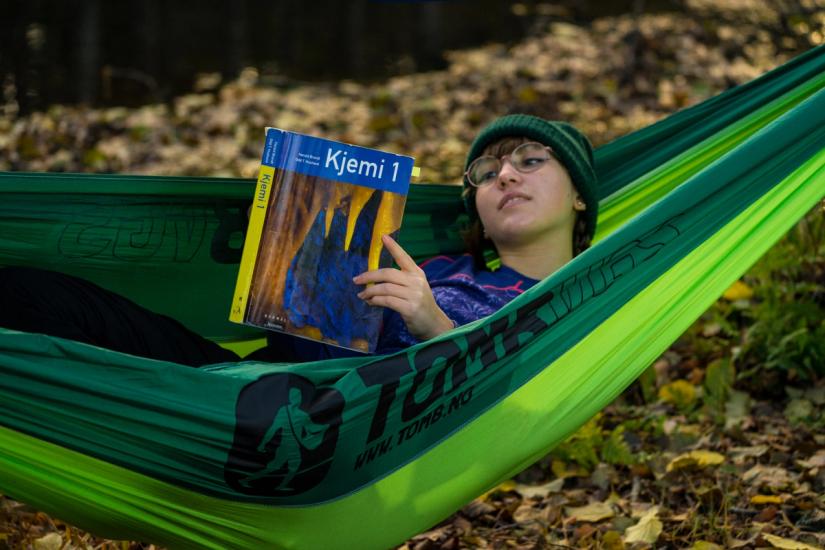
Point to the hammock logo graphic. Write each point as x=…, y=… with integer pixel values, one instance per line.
x=166, y=233
x=286, y=433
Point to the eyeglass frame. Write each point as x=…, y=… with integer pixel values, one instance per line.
x=500, y=160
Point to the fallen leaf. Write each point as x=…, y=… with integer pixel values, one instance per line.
x=612, y=540
x=738, y=291
x=530, y=491
x=767, y=515
x=502, y=487
x=739, y=454
x=477, y=508
x=52, y=541
x=698, y=459
x=705, y=545
x=527, y=514
x=816, y=461
x=772, y=477
x=681, y=393
x=647, y=530
x=787, y=544
x=593, y=512
x=767, y=499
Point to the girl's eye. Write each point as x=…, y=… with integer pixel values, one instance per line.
x=532, y=162
x=491, y=175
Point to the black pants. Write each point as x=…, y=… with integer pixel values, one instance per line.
x=47, y=302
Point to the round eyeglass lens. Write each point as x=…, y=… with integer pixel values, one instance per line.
x=483, y=171
x=527, y=157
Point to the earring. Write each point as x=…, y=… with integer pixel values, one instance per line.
x=484, y=232
x=580, y=203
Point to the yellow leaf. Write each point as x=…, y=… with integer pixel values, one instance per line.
x=738, y=291
x=766, y=499
x=593, y=512
x=505, y=486
x=705, y=545
x=787, y=544
x=698, y=459
x=647, y=530
x=681, y=393
x=502, y=487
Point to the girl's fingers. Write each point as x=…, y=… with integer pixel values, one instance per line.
x=404, y=261
x=384, y=289
x=396, y=304
x=385, y=275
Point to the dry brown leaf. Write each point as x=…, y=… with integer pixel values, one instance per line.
x=593, y=512
x=527, y=514
x=771, y=477
x=816, y=461
x=739, y=454
x=530, y=491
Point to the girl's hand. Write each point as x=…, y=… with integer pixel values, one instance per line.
x=405, y=291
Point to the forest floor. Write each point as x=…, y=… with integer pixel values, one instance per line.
x=700, y=452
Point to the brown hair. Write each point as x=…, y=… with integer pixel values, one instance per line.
x=479, y=246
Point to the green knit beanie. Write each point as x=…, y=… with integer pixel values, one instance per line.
x=570, y=145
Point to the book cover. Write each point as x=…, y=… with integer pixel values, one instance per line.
x=319, y=212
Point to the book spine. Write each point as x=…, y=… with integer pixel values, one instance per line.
x=252, y=243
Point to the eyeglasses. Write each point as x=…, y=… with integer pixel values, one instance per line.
x=527, y=157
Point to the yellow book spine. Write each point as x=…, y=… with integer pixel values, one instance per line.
x=260, y=204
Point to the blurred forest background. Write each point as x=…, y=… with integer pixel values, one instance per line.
x=720, y=444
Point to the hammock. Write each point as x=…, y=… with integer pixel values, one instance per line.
x=364, y=452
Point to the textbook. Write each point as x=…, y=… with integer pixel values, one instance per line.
x=317, y=217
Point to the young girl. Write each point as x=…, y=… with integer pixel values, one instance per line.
x=530, y=191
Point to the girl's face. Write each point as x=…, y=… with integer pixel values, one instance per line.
x=518, y=208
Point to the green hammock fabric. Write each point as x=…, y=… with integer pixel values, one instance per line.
x=363, y=452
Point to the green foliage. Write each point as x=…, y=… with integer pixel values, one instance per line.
x=581, y=447
x=778, y=334
x=788, y=330
x=592, y=444
x=616, y=450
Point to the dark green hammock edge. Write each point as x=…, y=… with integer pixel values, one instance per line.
x=353, y=432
